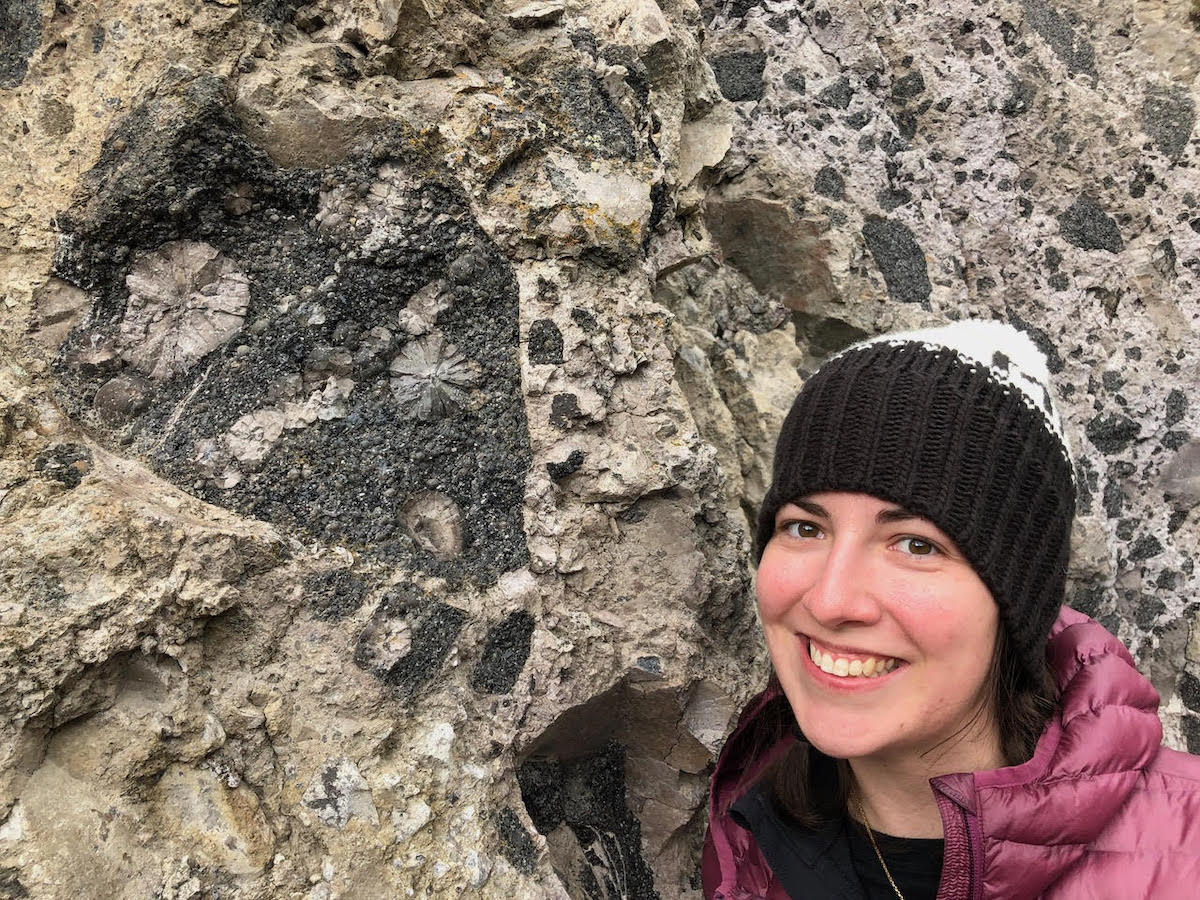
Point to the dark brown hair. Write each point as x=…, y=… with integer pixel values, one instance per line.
x=814, y=789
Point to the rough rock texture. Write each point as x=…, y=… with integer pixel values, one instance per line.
x=384, y=389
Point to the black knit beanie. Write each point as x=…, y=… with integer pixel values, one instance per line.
x=957, y=425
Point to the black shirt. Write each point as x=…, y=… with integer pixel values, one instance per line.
x=915, y=863
x=837, y=860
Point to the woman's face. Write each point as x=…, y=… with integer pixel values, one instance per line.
x=879, y=630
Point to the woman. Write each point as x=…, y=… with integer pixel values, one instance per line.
x=938, y=724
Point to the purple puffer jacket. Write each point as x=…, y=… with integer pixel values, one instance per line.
x=1102, y=811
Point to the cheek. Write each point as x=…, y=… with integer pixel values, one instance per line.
x=777, y=586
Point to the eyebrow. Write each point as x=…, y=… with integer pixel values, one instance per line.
x=891, y=514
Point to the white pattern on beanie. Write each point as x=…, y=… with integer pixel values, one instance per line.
x=1009, y=354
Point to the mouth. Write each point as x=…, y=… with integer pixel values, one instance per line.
x=843, y=664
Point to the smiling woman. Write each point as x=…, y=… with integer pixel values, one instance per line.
x=938, y=722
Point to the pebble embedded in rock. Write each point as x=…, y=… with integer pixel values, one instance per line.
x=564, y=409
x=538, y=14
x=65, y=463
x=504, y=654
x=545, y=343
x=829, y=183
x=434, y=521
x=122, y=398
x=1086, y=225
x=739, y=74
x=339, y=793
x=1072, y=48
x=1180, y=480
x=900, y=259
x=836, y=95
x=1168, y=117
x=408, y=638
x=1112, y=432
x=185, y=300
x=569, y=466
x=588, y=794
x=908, y=86
x=515, y=842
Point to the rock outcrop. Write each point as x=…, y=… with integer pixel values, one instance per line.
x=385, y=388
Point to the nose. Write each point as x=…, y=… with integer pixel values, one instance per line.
x=842, y=592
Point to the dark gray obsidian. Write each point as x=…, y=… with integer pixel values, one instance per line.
x=1189, y=691
x=829, y=183
x=899, y=257
x=587, y=794
x=1112, y=432
x=740, y=74
x=1086, y=225
x=334, y=595
x=908, y=86
x=1073, y=49
x=504, y=654
x=545, y=343
x=568, y=466
x=440, y=412
x=836, y=95
x=1168, y=116
x=20, y=34
x=515, y=842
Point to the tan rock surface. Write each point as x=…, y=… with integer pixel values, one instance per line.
x=385, y=389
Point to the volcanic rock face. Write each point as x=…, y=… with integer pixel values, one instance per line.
x=385, y=389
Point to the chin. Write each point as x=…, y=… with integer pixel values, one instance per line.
x=842, y=746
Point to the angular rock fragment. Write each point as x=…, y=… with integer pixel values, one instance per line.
x=1072, y=48
x=545, y=343
x=58, y=307
x=900, y=259
x=1180, y=481
x=515, y=843
x=537, y=14
x=1086, y=225
x=504, y=654
x=65, y=463
x=339, y=793
x=275, y=398
x=579, y=804
x=122, y=398
x=1168, y=117
x=740, y=74
x=20, y=35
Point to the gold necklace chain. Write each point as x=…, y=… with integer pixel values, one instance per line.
x=862, y=814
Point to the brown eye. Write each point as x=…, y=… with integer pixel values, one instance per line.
x=802, y=530
x=915, y=546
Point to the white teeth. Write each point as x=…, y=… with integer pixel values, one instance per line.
x=871, y=667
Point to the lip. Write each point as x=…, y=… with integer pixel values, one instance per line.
x=837, y=683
